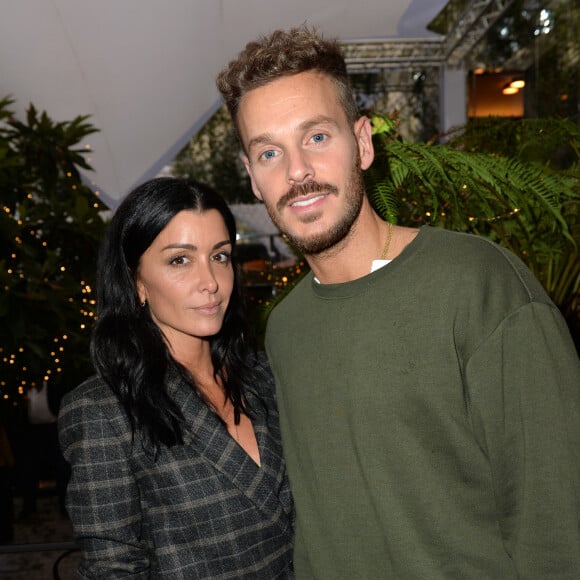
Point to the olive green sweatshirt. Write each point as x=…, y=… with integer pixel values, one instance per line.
x=430, y=416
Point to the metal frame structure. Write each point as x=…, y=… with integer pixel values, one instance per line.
x=470, y=28
x=450, y=51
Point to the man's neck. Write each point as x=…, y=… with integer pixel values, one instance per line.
x=352, y=257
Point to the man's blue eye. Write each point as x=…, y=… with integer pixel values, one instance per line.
x=268, y=154
x=318, y=137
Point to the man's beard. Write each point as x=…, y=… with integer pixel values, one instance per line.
x=323, y=241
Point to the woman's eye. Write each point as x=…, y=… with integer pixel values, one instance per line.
x=179, y=261
x=222, y=258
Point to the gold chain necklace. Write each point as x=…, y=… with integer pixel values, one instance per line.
x=388, y=242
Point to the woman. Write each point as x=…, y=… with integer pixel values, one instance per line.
x=177, y=469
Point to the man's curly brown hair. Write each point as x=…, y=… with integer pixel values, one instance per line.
x=284, y=53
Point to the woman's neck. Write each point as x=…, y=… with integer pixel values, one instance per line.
x=194, y=355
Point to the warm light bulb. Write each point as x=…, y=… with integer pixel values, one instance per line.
x=509, y=90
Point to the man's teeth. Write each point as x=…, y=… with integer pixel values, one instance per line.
x=307, y=202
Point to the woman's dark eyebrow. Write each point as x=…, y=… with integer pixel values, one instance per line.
x=193, y=248
x=221, y=244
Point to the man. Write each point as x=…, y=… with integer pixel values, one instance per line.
x=428, y=388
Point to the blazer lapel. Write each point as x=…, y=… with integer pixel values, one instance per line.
x=205, y=433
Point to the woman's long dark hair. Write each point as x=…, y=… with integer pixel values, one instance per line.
x=127, y=348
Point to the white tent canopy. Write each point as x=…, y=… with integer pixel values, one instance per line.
x=144, y=70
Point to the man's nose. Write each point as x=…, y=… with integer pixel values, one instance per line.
x=300, y=168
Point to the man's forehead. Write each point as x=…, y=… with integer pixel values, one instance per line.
x=291, y=100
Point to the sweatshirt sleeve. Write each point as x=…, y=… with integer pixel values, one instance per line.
x=102, y=495
x=524, y=391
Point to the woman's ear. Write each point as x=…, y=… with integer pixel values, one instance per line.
x=141, y=293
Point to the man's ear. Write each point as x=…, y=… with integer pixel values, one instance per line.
x=364, y=136
x=248, y=167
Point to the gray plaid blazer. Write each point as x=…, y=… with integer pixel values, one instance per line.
x=203, y=509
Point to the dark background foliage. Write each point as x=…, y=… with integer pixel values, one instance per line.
x=50, y=228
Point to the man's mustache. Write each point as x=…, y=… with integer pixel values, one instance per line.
x=304, y=189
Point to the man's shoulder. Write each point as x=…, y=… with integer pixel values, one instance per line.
x=469, y=249
x=479, y=262
x=452, y=240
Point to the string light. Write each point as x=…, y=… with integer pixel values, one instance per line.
x=495, y=218
x=21, y=375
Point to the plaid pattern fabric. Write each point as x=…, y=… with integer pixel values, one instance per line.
x=203, y=509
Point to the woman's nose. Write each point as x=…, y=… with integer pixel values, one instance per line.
x=207, y=282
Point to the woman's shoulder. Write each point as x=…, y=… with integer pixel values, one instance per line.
x=91, y=410
x=263, y=383
x=258, y=360
x=93, y=392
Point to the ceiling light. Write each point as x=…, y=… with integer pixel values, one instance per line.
x=508, y=90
